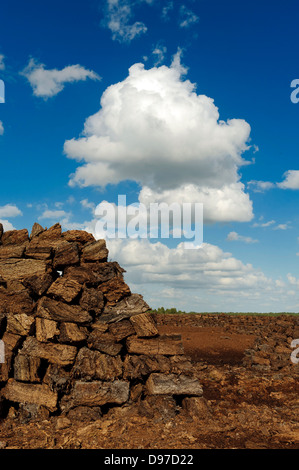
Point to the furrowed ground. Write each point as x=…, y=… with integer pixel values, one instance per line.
x=250, y=390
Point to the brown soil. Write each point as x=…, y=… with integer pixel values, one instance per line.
x=211, y=344
x=250, y=395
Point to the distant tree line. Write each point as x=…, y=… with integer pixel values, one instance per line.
x=174, y=311
x=171, y=311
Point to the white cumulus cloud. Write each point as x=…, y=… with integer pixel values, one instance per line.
x=1, y=128
x=291, y=180
x=155, y=129
x=225, y=204
x=9, y=210
x=206, y=279
x=205, y=269
x=47, y=83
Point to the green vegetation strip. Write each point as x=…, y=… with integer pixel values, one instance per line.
x=174, y=311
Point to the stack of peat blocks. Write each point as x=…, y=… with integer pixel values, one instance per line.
x=76, y=340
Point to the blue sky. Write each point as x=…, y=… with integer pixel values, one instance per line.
x=59, y=59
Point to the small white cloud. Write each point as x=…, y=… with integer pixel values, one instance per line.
x=166, y=9
x=88, y=205
x=10, y=210
x=187, y=17
x=264, y=224
x=1, y=128
x=47, y=83
x=70, y=200
x=53, y=214
x=260, y=186
x=292, y=280
x=118, y=15
x=159, y=52
x=282, y=227
x=291, y=180
x=234, y=236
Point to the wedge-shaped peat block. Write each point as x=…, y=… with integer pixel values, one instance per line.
x=66, y=254
x=51, y=234
x=132, y=305
x=144, y=325
x=95, y=251
x=36, y=230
